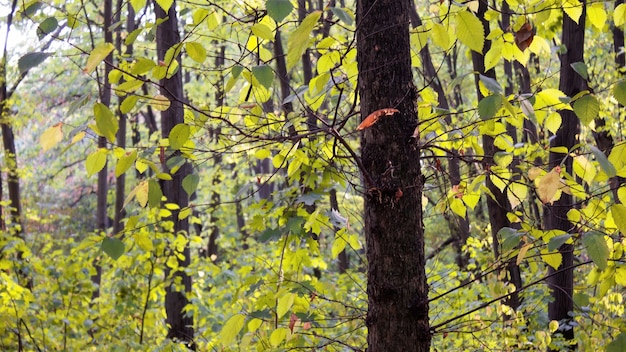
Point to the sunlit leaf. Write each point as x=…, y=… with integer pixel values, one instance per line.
x=619, y=91
x=96, y=161
x=196, y=51
x=143, y=241
x=587, y=108
x=179, y=135
x=470, y=31
x=299, y=39
x=51, y=137
x=106, y=123
x=231, y=328
x=96, y=56
x=549, y=184
x=125, y=162
x=554, y=259
x=165, y=4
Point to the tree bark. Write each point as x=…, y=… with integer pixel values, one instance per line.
x=561, y=281
x=180, y=325
x=397, y=318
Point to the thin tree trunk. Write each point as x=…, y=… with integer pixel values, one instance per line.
x=397, y=317
x=180, y=325
x=497, y=204
x=102, y=188
x=561, y=281
x=459, y=226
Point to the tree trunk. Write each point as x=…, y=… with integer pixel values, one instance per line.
x=561, y=281
x=497, y=204
x=397, y=318
x=180, y=325
x=102, y=187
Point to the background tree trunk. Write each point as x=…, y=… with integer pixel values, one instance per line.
x=397, y=318
x=561, y=281
x=180, y=325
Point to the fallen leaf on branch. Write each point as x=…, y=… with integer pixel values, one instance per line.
x=372, y=118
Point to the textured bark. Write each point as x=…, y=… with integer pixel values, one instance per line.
x=497, y=203
x=561, y=284
x=397, y=318
x=180, y=325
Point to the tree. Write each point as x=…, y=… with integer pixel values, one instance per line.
x=394, y=231
x=180, y=324
x=561, y=279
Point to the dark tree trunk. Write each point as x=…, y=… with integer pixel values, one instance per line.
x=102, y=188
x=497, y=203
x=561, y=281
x=397, y=318
x=180, y=325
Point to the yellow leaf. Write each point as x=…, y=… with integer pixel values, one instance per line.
x=142, y=193
x=522, y=253
x=51, y=137
x=160, y=102
x=457, y=206
x=584, y=168
x=470, y=31
x=284, y=304
x=549, y=185
x=553, y=259
x=516, y=193
x=96, y=56
x=144, y=242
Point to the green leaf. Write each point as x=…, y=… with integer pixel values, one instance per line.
x=489, y=106
x=46, y=27
x=343, y=15
x=618, y=212
x=96, y=56
x=597, y=249
x=264, y=74
x=128, y=87
x=165, y=4
x=125, y=162
x=470, y=31
x=196, y=51
x=299, y=39
x=179, y=135
x=606, y=166
x=581, y=69
x=587, y=108
x=510, y=238
x=154, y=194
x=106, y=123
x=31, y=60
x=190, y=183
x=618, y=344
x=231, y=329
x=558, y=241
x=128, y=104
x=96, y=161
x=278, y=9
x=619, y=92
x=113, y=247
x=491, y=84
x=284, y=304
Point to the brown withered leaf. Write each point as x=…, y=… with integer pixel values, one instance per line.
x=524, y=36
x=372, y=118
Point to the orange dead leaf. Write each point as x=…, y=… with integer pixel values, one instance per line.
x=372, y=118
x=292, y=321
x=524, y=36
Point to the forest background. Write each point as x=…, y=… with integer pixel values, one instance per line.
x=388, y=175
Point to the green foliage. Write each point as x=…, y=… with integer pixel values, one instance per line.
x=263, y=173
